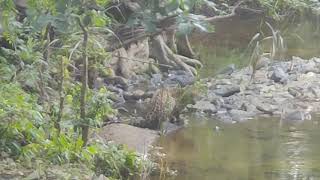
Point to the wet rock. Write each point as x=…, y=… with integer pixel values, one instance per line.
x=228, y=90
x=246, y=106
x=224, y=117
x=296, y=116
x=182, y=78
x=266, y=108
x=204, y=106
x=279, y=75
x=170, y=127
x=240, y=115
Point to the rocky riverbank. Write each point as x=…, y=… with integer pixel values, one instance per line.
x=290, y=90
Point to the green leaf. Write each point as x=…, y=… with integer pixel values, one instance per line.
x=102, y=3
x=98, y=19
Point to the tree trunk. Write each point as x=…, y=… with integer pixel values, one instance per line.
x=84, y=76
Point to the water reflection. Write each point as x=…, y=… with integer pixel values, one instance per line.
x=258, y=149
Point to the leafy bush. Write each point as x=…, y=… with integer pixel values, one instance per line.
x=117, y=162
x=20, y=119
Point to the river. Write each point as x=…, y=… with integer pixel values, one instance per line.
x=257, y=149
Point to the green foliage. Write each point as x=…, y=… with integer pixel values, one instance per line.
x=153, y=11
x=118, y=163
x=277, y=8
x=20, y=119
x=27, y=121
x=98, y=105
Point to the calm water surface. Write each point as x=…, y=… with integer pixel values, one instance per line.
x=257, y=149
x=260, y=149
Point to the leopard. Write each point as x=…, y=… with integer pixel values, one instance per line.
x=166, y=105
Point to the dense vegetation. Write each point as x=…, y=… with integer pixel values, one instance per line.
x=51, y=53
x=46, y=106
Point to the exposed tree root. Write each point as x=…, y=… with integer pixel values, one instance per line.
x=184, y=46
x=160, y=51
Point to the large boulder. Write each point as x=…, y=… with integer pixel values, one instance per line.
x=134, y=138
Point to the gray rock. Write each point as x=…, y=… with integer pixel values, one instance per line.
x=228, y=70
x=136, y=95
x=304, y=68
x=315, y=91
x=228, y=90
x=295, y=92
x=156, y=80
x=296, y=116
x=182, y=78
x=218, y=102
x=240, y=115
x=118, y=100
x=263, y=62
x=316, y=59
x=246, y=106
x=225, y=117
x=203, y=105
x=266, y=108
x=279, y=75
x=169, y=127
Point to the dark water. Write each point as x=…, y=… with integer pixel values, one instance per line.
x=257, y=149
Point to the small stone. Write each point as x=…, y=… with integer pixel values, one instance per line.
x=266, y=109
x=279, y=75
x=156, y=80
x=228, y=70
x=226, y=91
